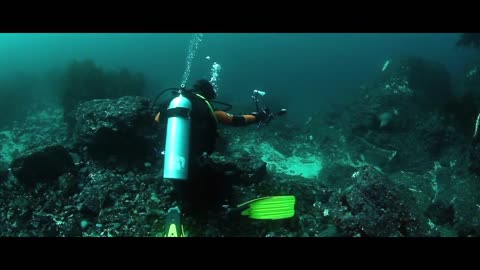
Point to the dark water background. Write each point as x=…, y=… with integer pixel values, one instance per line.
x=304, y=72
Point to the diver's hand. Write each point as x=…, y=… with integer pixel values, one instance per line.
x=261, y=116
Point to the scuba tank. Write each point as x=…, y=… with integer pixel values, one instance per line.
x=177, y=141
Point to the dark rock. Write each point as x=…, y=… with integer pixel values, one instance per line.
x=426, y=82
x=44, y=164
x=474, y=159
x=85, y=80
x=398, y=121
x=76, y=158
x=241, y=168
x=255, y=171
x=3, y=171
x=337, y=175
x=68, y=184
x=441, y=213
x=375, y=206
x=91, y=200
x=408, y=87
x=116, y=131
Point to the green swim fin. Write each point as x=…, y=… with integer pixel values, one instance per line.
x=173, y=223
x=273, y=207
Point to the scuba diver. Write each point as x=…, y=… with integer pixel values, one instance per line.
x=202, y=186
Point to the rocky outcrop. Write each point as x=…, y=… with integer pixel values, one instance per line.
x=375, y=206
x=119, y=132
x=44, y=164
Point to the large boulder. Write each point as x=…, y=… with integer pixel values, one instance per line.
x=43, y=164
x=84, y=80
x=405, y=88
x=374, y=206
x=422, y=81
x=400, y=115
x=116, y=131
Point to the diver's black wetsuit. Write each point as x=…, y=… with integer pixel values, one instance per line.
x=209, y=184
x=207, y=188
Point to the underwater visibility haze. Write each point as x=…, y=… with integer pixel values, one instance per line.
x=331, y=134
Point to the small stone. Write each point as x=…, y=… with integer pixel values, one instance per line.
x=84, y=224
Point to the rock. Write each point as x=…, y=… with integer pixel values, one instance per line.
x=116, y=131
x=76, y=158
x=84, y=224
x=3, y=171
x=242, y=168
x=253, y=170
x=427, y=82
x=398, y=120
x=67, y=184
x=44, y=164
x=410, y=86
x=92, y=200
x=375, y=206
x=441, y=213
